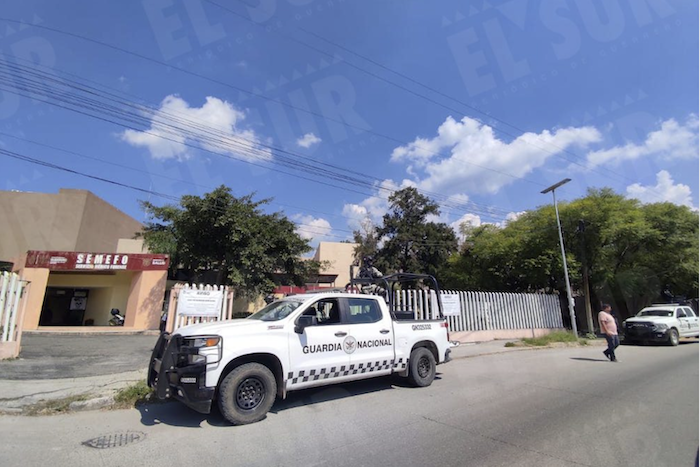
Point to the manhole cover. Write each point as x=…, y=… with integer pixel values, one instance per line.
x=115, y=440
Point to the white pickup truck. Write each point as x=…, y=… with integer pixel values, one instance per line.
x=661, y=323
x=294, y=343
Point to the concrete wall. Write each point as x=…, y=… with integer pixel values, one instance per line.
x=341, y=256
x=485, y=336
x=129, y=245
x=69, y=220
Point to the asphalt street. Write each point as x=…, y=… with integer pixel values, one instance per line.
x=59, y=356
x=555, y=407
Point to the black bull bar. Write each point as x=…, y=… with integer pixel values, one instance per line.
x=170, y=376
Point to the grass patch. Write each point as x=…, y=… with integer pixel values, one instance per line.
x=133, y=395
x=54, y=406
x=557, y=337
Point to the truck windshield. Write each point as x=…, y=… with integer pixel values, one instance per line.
x=656, y=313
x=276, y=311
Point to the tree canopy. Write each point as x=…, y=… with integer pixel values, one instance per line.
x=632, y=251
x=407, y=240
x=228, y=240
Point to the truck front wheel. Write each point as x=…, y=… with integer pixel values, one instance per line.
x=673, y=337
x=247, y=393
x=421, y=367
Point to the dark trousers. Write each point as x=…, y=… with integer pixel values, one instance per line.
x=613, y=342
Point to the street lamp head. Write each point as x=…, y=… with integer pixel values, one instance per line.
x=555, y=186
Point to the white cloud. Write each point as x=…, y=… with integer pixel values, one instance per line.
x=471, y=220
x=308, y=140
x=312, y=228
x=214, y=116
x=671, y=141
x=478, y=160
x=374, y=207
x=664, y=190
x=511, y=216
x=355, y=215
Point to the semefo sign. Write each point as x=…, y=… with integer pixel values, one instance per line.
x=91, y=261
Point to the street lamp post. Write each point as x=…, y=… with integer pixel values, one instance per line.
x=572, y=314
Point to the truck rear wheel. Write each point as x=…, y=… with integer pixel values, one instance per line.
x=421, y=367
x=247, y=393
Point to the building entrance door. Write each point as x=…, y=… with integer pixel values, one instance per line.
x=63, y=307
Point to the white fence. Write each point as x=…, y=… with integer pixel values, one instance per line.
x=488, y=311
x=12, y=289
x=479, y=311
x=178, y=317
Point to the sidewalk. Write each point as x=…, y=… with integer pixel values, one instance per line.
x=18, y=394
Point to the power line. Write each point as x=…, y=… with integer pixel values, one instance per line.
x=43, y=90
x=165, y=177
x=50, y=165
x=410, y=91
x=55, y=30
x=341, y=122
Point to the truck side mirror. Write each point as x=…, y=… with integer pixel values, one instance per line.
x=304, y=321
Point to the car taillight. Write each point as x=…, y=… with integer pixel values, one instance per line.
x=446, y=325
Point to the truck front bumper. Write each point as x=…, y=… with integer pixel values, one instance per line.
x=647, y=335
x=171, y=377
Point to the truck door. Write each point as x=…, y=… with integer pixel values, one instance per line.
x=689, y=322
x=371, y=335
x=683, y=323
x=317, y=356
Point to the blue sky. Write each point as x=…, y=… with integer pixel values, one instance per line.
x=482, y=104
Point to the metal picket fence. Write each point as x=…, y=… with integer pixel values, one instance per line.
x=12, y=302
x=487, y=311
x=177, y=320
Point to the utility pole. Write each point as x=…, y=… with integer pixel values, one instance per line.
x=586, y=287
x=569, y=296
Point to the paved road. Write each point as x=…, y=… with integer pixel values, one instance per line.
x=555, y=407
x=47, y=356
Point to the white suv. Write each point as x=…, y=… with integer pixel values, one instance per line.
x=662, y=323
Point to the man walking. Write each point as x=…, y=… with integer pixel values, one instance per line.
x=608, y=326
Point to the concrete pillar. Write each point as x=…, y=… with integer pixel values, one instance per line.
x=39, y=279
x=145, y=303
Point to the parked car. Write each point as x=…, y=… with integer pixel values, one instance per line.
x=661, y=323
x=294, y=343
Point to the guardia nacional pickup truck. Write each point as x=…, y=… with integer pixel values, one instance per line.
x=664, y=322
x=294, y=343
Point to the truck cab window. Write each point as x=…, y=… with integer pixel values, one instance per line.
x=363, y=310
x=326, y=311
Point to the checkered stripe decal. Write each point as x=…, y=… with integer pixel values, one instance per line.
x=304, y=376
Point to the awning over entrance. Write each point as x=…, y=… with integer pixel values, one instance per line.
x=87, y=289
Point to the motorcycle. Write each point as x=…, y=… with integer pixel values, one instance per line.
x=117, y=319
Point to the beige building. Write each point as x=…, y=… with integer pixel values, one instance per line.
x=69, y=220
x=340, y=257
x=79, y=256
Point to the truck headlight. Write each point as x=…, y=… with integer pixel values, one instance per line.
x=660, y=327
x=203, y=349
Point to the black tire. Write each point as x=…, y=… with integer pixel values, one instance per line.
x=421, y=367
x=247, y=393
x=673, y=337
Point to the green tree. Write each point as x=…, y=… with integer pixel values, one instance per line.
x=632, y=251
x=228, y=238
x=411, y=243
x=366, y=239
